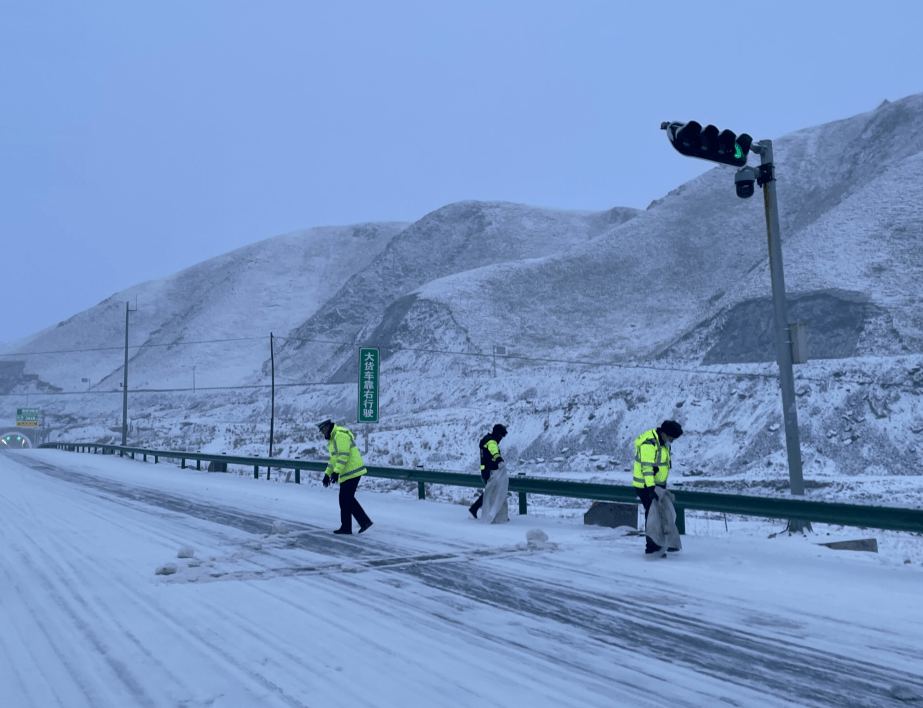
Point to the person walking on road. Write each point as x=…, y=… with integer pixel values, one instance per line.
x=651, y=469
x=346, y=468
x=491, y=461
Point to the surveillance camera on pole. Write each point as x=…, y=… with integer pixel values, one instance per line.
x=726, y=148
x=744, y=181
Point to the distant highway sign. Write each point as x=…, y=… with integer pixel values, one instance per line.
x=27, y=417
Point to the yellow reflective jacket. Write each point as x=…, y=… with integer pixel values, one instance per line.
x=649, y=453
x=345, y=459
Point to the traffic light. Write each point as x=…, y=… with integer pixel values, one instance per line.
x=708, y=143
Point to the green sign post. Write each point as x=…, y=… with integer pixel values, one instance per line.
x=27, y=417
x=369, y=362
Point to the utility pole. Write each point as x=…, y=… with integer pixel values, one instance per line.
x=125, y=380
x=272, y=413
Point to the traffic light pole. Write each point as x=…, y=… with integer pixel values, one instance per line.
x=780, y=313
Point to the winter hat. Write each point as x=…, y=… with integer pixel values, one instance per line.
x=671, y=428
x=499, y=430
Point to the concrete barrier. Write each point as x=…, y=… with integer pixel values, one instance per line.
x=862, y=544
x=612, y=514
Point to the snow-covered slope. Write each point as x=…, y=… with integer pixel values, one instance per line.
x=456, y=240
x=268, y=286
x=851, y=198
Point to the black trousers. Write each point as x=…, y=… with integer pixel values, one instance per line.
x=476, y=507
x=349, y=507
x=478, y=503
x=647, y=496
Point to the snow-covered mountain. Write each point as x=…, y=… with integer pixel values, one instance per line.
x=609, y=322
x=229, y=303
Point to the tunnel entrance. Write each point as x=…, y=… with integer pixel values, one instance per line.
x=14, y=440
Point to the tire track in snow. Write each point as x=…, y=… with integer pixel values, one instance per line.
x=778, y=665
x=159, y=613
x=19, y=557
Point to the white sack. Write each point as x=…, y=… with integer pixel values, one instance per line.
x=661, y=520
x=495, y=509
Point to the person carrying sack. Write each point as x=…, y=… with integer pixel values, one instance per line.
x=651, y=469
x=491, y=462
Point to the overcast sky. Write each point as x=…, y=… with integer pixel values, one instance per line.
x=137, y=139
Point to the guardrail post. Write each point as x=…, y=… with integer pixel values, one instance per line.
x=256, y=471
x=182, y=463
x=681, y=520
x=421, y=490
x=268, y=472
x=198, y=464
x=121, y=453
x=522, y=504
x=297, y=476
x=145, y=457
x=155, y=459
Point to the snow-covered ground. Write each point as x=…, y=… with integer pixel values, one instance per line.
x=428, y=608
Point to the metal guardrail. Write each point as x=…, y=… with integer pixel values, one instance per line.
x=875, y=517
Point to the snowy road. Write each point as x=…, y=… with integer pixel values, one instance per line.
x=426, y=609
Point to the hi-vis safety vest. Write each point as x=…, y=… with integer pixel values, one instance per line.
x=345, y=459
x=490, y=454
x=648, y=454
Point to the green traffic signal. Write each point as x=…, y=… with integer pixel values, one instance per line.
x=707, y=143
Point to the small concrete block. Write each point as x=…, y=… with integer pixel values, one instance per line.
x=862, y=544
x=612, y=515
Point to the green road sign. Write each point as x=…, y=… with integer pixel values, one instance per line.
x=27, y=417
x=369, y=361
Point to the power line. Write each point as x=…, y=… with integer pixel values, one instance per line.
x=137, y=346
x=581, y=362
x=172, y=390
x=523, y=358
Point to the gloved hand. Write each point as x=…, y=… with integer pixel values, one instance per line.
x=334, y=477
x=326, y=480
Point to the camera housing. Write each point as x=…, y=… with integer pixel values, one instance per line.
x=745, y=180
